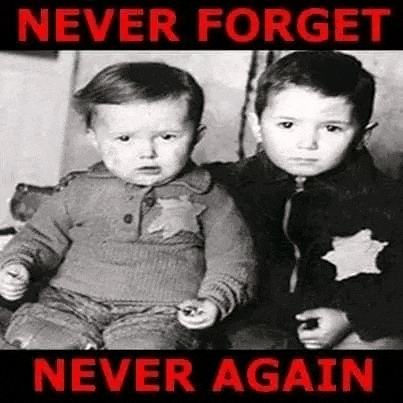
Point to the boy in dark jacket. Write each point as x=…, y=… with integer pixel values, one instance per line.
x=327, y=224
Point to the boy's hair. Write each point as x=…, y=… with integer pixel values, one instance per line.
x=149, y=81
x=328, y=72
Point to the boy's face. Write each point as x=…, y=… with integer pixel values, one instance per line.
x=145, y=143
x=304, y=132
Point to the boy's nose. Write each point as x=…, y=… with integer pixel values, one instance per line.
x=308, y=141
x=147, y=149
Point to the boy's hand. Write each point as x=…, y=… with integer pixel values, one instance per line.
x=332, y=325
x=197, y=313
x=14, y=280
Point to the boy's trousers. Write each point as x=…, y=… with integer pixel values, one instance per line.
x=63, y=319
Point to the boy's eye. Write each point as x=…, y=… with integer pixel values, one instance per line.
x=124, y=138
x=285, y=125
x=333, y=128
x=168, y=136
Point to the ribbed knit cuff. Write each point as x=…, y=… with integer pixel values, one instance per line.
x=12, y=259
x=223, y=296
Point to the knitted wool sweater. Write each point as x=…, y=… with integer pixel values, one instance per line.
x=112, y=240
x=340, y=233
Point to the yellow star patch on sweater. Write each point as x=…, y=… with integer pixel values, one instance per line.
x=355, y=254
x=177, y=215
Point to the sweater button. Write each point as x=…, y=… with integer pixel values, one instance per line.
x=148, y=202
x=128, y=218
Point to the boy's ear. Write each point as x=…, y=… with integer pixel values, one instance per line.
x=200, y=131
x=361, y=141
x=254, y=124
x=92, y=138
x=369, y=127
x=367, y=132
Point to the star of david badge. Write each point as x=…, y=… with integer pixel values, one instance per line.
x=355, y=254
x=176, y=215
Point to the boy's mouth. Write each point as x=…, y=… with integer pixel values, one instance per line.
x=304, y=161
x=149, y=170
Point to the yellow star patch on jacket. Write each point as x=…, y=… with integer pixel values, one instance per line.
x=176, y=215
x=355, y=254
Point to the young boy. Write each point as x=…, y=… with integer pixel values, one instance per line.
x=144, y=250
x=327, y=225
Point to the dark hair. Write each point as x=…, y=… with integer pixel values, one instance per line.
x=328, y=72
x=125, y=82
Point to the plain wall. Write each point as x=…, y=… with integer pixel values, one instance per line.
x=34, y=99
x=386, y=142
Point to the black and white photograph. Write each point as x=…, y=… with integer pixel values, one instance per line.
x=298, y=153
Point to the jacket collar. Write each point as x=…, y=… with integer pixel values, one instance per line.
x=192, y=177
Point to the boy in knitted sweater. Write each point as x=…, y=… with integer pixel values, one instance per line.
x=143, y=251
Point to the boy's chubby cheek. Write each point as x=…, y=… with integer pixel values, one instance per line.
x=111, y=157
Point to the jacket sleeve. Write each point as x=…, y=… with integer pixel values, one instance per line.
x=230, y=278
x=377, y=309
x=43, y=241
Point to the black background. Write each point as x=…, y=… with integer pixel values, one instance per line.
x=16, y=367
x=16, y=376
x=186, y=11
